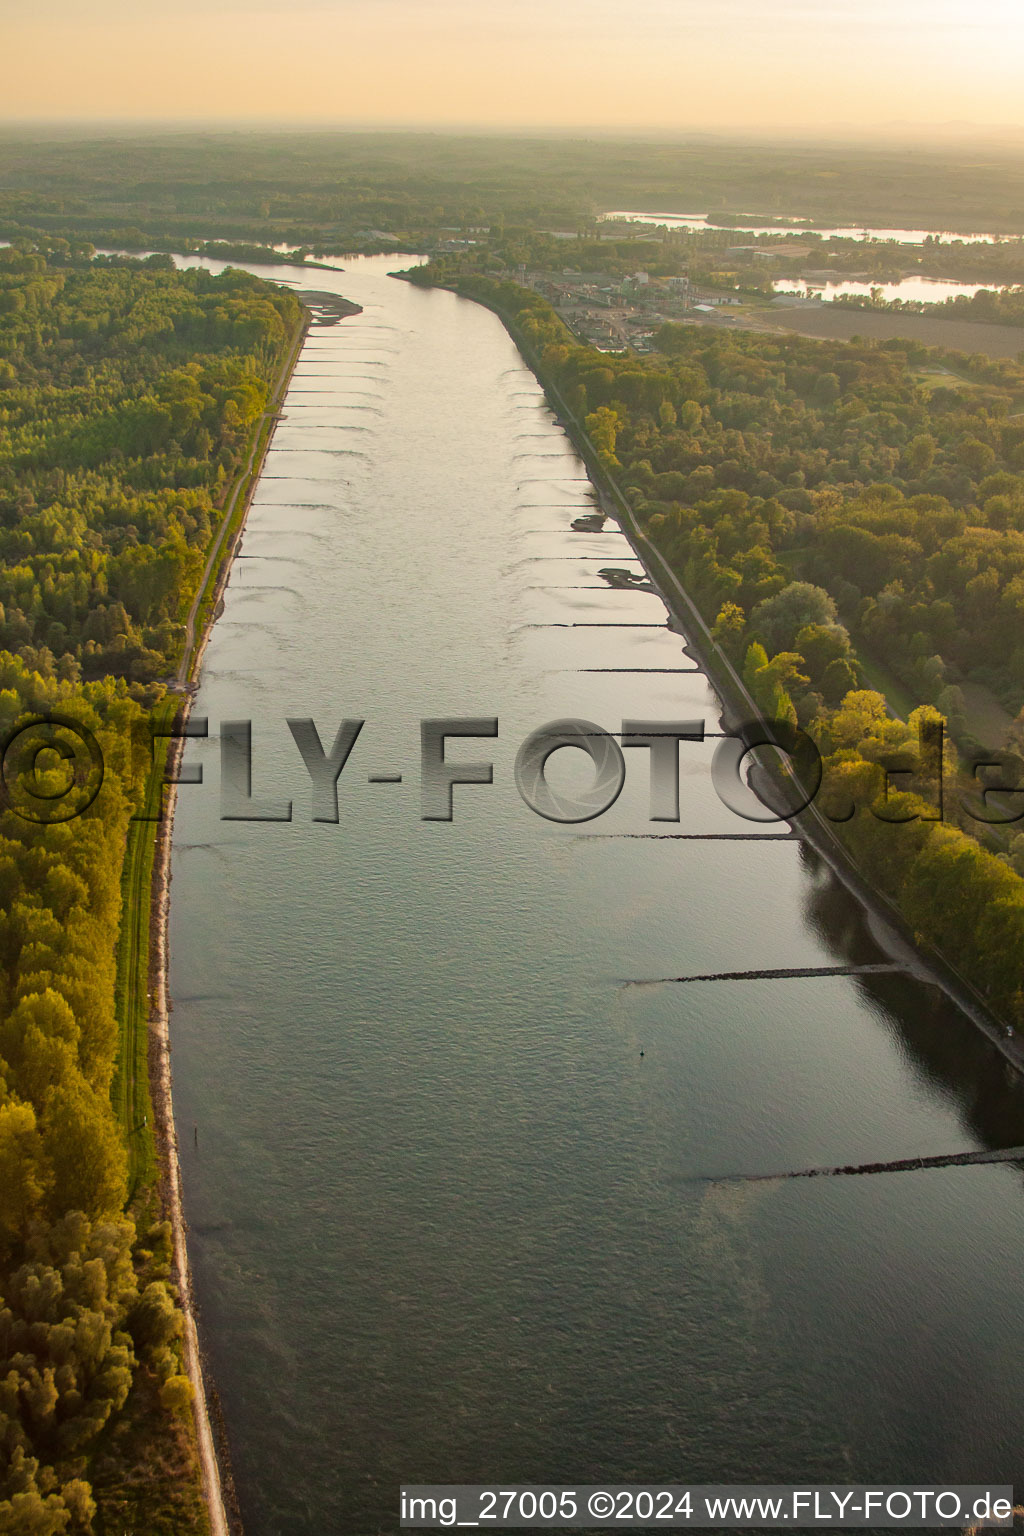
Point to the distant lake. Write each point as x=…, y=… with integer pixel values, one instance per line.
x=852, y=232
x=928, y=290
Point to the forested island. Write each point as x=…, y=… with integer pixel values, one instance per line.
x=853, y=533
x=130, y=395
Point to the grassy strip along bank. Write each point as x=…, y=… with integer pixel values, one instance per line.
x=958, y=902
x=133, y=998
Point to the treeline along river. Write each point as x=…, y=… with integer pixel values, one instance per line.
x=443, y=1169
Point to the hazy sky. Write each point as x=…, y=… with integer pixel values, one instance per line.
x=614, y=63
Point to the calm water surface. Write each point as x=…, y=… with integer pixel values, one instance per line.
x=443, y=1213
x=925, y=290
x=845, y=232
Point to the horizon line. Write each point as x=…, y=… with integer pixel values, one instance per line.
x=836, y=133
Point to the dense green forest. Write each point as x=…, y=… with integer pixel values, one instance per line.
x=327, y=190
x=127, y=395
x=831, y=510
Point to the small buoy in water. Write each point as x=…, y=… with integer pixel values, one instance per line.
x=641, y=1053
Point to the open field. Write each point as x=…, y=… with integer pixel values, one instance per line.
x=987, y=720
x=839, y=324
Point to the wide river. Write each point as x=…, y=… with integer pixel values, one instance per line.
x=442, y=1165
